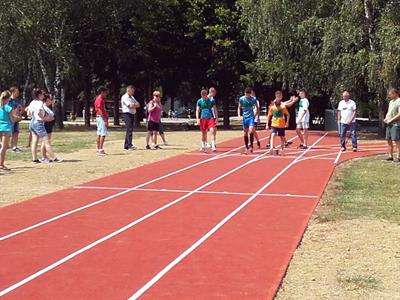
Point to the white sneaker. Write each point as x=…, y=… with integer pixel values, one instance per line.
x=213, y=149
x=44, y=160
x=166, y=143
x=57, y=160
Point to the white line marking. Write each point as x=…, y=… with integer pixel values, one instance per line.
x=338, y=157
x=130, y=225
x=63, y=215
x=202, y=192
x=177, y=260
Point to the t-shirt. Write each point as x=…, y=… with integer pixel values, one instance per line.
x=128, y=100
x=394, y=109
x=248, y=104
x=206, y=107
x=346, y=109
x=278, y=112
x=304, y=105
x=48, y=111
x=155, y=114
x=5, y=119
x=15, y=103
x=34, y=108
x=100, y=107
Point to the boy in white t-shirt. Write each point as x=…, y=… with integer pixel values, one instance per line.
x=303, y=120
x=346, y=118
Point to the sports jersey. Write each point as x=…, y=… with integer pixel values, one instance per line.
x=248, y=106
x=278, y=112
x=206, y=107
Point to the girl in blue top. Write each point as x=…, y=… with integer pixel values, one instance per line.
x=8, y=116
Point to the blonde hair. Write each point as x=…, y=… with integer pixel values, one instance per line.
x=4, y=96
x=157, y=93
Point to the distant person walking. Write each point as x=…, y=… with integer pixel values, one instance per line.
x=16, y=104
x=49, y=122
x=392, y=121
x=346, y=118
x=154, y=109
x=206, y=118
x=129, y=105
x=101, y=119
x=8, y=116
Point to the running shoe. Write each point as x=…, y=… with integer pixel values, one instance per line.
x=389, y=159
x=101, y=153
x=36, y=161
x=157, y=147
x=5, y=169
x=343, y=149
x=213, y=149
x=44, y=160
x=59, y=159
x=354, y=149
x=17, y=150
x=148, y=147
x=258, y=145
x=166, y=143
x=268, y=146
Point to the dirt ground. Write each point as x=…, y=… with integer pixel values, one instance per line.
x=28, y=180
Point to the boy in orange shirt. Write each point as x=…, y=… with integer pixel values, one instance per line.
x=277, y=113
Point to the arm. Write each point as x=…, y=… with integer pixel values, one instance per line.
x=287, y=119
x=338, y=117
x=151, y=106
x=198, y=115
x=15, y=117
x=394, y=119
x=239, y=109
x=215, y=113
x=353, y=116
x=269, y=115
x=257, y=109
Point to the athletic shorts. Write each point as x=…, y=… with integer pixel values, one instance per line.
x=37, y=128
x=101, y=127
x=153, y=126
x=206, y=124
x=15, y=128
x=278, y=131
x=248, y=122
x=303, y=125
x=49, y=127
x=5, y=133
x=393, y=133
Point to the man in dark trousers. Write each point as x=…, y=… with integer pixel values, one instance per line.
x=129, y=106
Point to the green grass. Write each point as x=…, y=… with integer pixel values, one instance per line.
x=367, y=187
x=64, y=142
x=359, y=282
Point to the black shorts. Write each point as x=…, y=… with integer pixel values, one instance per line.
x=278, y=131
x=153, y=126
x=49, y=126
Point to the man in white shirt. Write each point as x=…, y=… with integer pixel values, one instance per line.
x=346, y=118
x=129, y=106
x=303, y=119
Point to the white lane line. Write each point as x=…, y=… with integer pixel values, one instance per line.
x=117, y=232
x=338, y=157
x=184, y=254
x=201, y=192
x=68, y=213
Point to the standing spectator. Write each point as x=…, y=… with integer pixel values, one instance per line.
x=162, y=134
x=129, y=106
x=8, y=116
x=101, y=119
x=49, y=122
x=393, y=124
x=37, y=111
x=16, y=104
x=154, y=109
x=346, y=118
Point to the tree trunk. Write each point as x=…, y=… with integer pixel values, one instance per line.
x=115, y=89
x=57, y=98
x=45, y=74
x=87, y=99
x=25, y=95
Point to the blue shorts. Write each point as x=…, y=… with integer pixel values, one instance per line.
x=15, y=128
x=278, y=131
x=37, y=128
x=101, y=127
x=248, y=122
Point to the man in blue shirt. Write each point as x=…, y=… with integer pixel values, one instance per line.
x=207, y=118
x=15, y=103
x=251, y=109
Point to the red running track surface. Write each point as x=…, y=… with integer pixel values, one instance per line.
x=223, y=225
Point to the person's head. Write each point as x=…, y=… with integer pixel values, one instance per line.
x=278, y=96
x=302, y=93
x=102, y=91
x=48, y=99
x=212, y=91
x=253, y=93
x=4, y=98
x=346, y=96
x=14, y=92
x=247, y=91
x=204, y=94
x=37, y=94
x=157, y=96
x=130, y=89
x=394, y=94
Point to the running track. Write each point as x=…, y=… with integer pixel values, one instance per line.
x=195, y=226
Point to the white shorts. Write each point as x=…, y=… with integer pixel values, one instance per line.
x=303, y=125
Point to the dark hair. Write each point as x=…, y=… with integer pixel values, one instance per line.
x=396, y=91
x=248, y=90
x=46, y=97
x=13, y=89
x=102, y=89
x=204, y=92
x=36, y=92
x=278, y=92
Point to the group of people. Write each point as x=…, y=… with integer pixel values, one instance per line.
x=40, y=126
x=42, y=121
